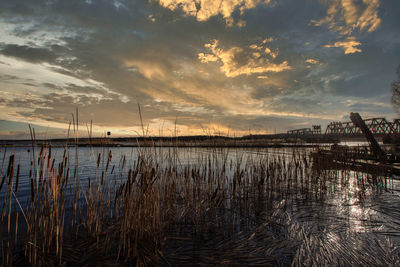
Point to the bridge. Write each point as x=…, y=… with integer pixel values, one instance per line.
x=316, y=129
x=379, y=127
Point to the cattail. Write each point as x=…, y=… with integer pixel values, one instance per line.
x=10, y=169
x=17, y=181
x=112, y=169
x=32, y=182
x=98, y=160
x=2, y=182
x=32, y=189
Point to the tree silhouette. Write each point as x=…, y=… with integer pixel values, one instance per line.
x=396, y=92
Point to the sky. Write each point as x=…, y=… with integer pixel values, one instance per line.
x=232, y=67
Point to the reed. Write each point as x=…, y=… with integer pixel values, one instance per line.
x=220, y=210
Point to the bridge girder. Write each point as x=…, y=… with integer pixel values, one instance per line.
x=377, y=126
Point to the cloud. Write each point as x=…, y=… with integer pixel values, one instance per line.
x=346, y=16
x=237, y=61
x=63, y=54
x=28, y=53
x=350, y=45
x=312, y=61
x=309, y=62
x=349, y=17
x=40, y=79
x=148, y=69
x=151, y=18
x=205, y=9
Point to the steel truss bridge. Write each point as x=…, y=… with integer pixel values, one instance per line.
x=316, y=129
x=377, y=126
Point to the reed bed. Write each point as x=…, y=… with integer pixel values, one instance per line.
x=224, y=209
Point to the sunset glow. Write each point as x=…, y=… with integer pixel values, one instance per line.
x=232, y=67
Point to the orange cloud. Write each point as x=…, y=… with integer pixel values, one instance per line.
x=312, y=61
x=237, y=61
x=348, y=16
x=205, y=9
x=345, y=16
x=349, y=45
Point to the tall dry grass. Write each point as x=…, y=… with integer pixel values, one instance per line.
x=220, y=210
